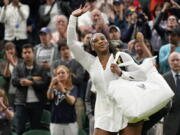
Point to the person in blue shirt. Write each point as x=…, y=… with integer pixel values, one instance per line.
x=63, y=95
x=166, y=50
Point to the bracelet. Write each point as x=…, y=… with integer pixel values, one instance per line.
x=4, y=109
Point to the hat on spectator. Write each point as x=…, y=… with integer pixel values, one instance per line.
x=111, y=27
x=118, y=1
x=44, y=30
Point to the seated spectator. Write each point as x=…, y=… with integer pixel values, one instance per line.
x=46, y=52
x=61, y=28
x=14, y=16
x=7, y=67
x=6, y=114
x=31, y=84
x=63, y=95
x=166, y=50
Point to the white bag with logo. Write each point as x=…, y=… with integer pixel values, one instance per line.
x=140, y=98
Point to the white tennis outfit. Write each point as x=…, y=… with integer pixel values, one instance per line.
x=107, y=116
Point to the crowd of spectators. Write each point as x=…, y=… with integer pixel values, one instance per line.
x=31, y=58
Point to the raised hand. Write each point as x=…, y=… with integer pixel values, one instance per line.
x=81, y=10
x=175, y=4
x=166, y=6
x=140, y=37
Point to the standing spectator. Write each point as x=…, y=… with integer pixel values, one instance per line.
x=30, y=81
x=98, y=23
x=155, y=38
x=67, y=60
x=7, y=67
x=46, y=52
x=61, y=28
x=43, y=10
x=172, y=120
x=32, y=22
x=63, y=95
x=14, y=16
x=172, y=23
x=6, y=114
x=85, y=21
x=166, y=50
x=77, y=72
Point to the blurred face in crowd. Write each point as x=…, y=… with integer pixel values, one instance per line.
x=63, y=73
x=114, y=34
x=134, y=17
x=174, y=61
x=45, y=38
x=174, y=39
x=157, y=10
x=138, y=48
x=87, y=38
x=27, y=55
x=100, y=43
x=117, y=6
x=96, y=15
x=172, y=22
x=10, y=49
x=65, y=52
x=61, y=23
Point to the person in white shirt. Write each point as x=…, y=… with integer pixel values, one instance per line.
x=14, y=15
x=109, y=120
x=86, y=21
x=61, y=28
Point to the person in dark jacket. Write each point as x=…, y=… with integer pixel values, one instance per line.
x=172, y=120
x=29, y=79
x=172, y=23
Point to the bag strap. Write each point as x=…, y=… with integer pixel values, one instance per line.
x=48, y=13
